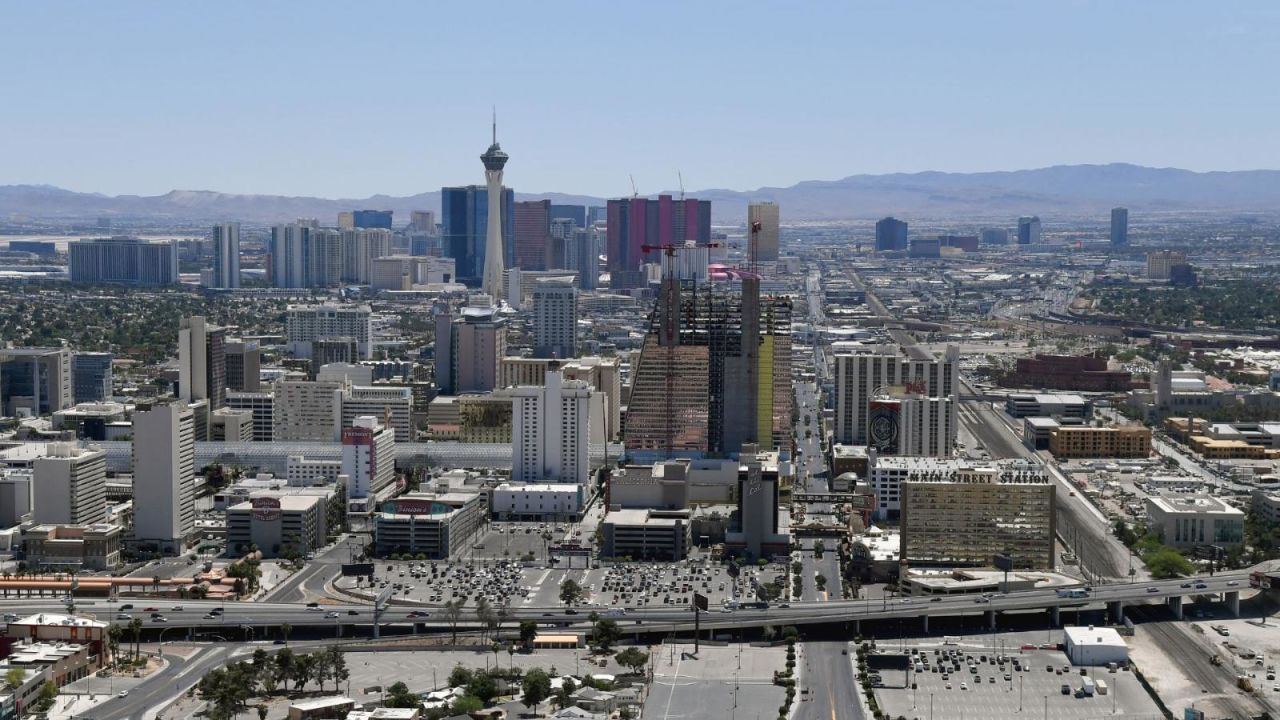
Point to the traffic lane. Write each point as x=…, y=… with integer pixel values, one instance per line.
x=827, y=674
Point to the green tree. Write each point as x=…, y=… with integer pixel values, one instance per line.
x=467, y=704
x=1167, y=563
x=536, y=687
x=632, y=657
x=482, y=686
x=452, y=613
x=135, y=627
x=285, y=660
x=570, y=592
x=605, y=634
x=528, y=633
x=338, y=667
x=398, y=696
x=285, y=630
x=48, y=693
x=460, y=676
x=14, y=677
x=564, y=694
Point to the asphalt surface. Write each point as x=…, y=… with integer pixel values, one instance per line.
x=827, y=674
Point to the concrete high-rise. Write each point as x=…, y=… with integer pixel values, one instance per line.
x=202, y=362
x=124, y=260
x=164, y=476
x=70, y=485
x=244, y=365
x=891, y=234
x=288, y=250
x=306, y=324
x=423, y=221
x=762, y=231
x=993, y=236
x=1119, y=226
x=555, y=318
x=469, y=347
x=1029, y=230
x=494, y=160
x=873, y=370
x=368, y=457
x=549, y=432
x=226, y=255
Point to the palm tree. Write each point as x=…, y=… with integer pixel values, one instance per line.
x=135, y=626
x=285, y=629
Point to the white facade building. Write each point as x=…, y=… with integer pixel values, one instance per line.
x=305, y=410
x=226, y=255
x=550, y=427
x=864, y=371
x=164, y=476
x=887, y=473
x=368, y=457
x=70, y=485
x=537, y=501
x=304, y=324
x=555, y=318
x=382, y=402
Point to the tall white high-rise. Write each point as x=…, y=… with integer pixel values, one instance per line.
x=70, y=485
x=226, y=255
x=550, y=426
x=555, y=318
x=873, y=370
x=494, y=160
x=164, y=476
x=368, y=457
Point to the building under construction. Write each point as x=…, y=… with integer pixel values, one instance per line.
x=714, y=371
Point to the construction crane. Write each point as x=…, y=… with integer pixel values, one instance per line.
x=634, y=192
x=681, y=178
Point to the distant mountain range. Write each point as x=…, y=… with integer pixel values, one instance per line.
x=1064, y=190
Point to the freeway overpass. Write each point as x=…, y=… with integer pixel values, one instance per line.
x=265, y=617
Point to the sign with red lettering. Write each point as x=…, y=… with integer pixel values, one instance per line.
x=266, y=509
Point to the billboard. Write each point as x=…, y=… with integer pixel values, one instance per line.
x=357, y=569
x=266, y=509
x=883, y=418
x=887, y=661
x=1003, y=562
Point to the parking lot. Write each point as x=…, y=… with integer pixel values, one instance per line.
x=533, y=584
x=971, y=681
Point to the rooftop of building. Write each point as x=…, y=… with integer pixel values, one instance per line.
x=288, y=502
x=645, y=517
x=42, y=653
x=849, y=451
x=540, y=487
x=47, y=619
x=1049, y=398
x=1191, y=504
x=1047, y=423
x=1097, y=636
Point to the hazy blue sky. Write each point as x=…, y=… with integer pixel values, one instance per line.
x=351, y=99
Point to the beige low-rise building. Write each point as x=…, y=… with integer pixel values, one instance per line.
x=73, y=547
x=1100, y=442
x=278, y=523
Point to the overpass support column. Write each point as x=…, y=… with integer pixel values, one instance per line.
x=991, y=619
x=857, y=628
x=925, y=618
x=1115, y=609
x=1175, y=604
x=1233, y=601
x=1055, y=616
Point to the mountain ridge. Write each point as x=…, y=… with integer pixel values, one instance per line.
x=1060, y=189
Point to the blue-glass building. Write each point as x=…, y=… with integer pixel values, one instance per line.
x=464, y=222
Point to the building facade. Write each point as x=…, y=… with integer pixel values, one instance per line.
x=555, y=318
x=123, y=260
x=226, y=255
x=164, y=476
x=891, y=234
x=91, y=376
x=550, y=430
x=967, y=519
x=70, y=485
x=763, y=231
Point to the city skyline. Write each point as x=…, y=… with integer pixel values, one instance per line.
x=1105, y=84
